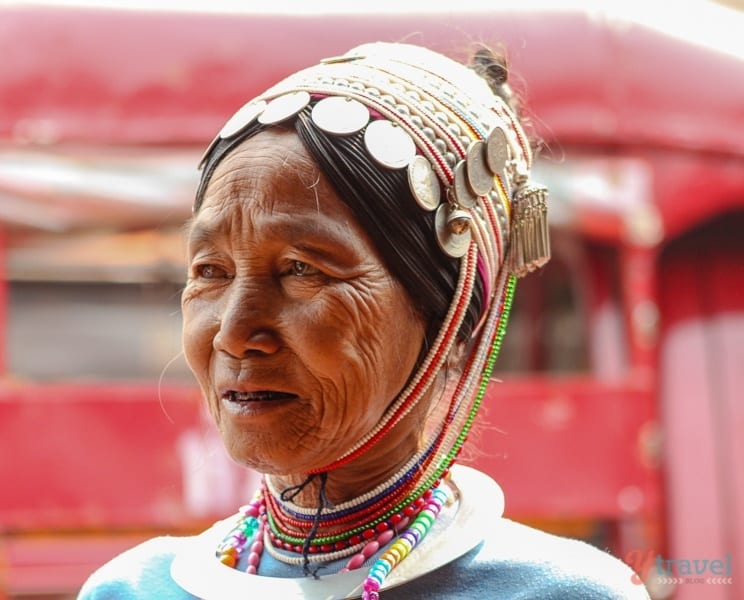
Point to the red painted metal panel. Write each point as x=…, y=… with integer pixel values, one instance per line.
x=3, y=299
x=52, y=564
x=568, y=448
x=702, y=300
x=90, y=457
x=87, y=457
x=139, y=77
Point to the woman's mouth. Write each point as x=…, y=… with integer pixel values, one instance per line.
x=260, y=396
x=255, y=403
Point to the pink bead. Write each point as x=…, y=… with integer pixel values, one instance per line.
x=251, y=570
x=344, y=570
x=254, y=559
x=370, y=548
x=356, y=561
x=384, y=538
x=257, y=547
x=250, y=510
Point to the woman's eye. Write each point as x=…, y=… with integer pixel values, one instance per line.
x=300, y=269
x=210, y=272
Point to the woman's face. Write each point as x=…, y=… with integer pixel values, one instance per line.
x=297, y=333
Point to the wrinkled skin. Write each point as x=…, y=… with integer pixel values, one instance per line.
x=287, y=294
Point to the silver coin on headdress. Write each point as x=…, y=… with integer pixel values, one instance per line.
x=340, y=116
x=497, y=150
x=244, y=116
x=389, y=144
x=284, y=107
x=453, y=241
x=480, y=177
x=463, y=193
x=424, y=183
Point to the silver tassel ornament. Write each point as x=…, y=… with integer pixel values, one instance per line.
x=529, y=247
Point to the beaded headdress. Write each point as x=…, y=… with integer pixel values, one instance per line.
x=467, y=161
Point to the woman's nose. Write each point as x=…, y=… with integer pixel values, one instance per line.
x=247, y=322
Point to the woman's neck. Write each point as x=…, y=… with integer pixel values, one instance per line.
x=350, y=481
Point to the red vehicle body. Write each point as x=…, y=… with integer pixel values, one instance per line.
x=644, y=154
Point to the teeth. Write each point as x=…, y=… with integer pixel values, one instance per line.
x=255, y=396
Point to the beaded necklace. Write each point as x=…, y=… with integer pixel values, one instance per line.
x=248, y=538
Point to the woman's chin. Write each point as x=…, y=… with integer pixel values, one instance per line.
x=262, y=453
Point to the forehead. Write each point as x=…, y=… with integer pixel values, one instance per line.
x=271, y=176
x=271, y=162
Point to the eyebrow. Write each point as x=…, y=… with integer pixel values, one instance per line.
x=198, y=234
x=316, y=238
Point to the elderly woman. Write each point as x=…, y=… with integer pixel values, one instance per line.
x=356, y=240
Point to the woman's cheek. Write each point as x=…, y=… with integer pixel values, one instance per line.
x=200, y=325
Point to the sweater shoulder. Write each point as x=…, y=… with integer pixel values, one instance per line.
x=141, y=573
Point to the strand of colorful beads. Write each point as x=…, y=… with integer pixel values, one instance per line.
x=403, y=546
x=248, y=531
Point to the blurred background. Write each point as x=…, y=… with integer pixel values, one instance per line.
x=617, y=415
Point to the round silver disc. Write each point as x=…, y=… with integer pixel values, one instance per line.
x=454, y=245
x=389, y=145
x=340, y=116
x=480, y=177
x=464, y=196
x=284, y=107
x=245, y=115
x=497, y=150
x=424, y=183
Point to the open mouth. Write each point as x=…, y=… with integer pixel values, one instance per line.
x=260, y=396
